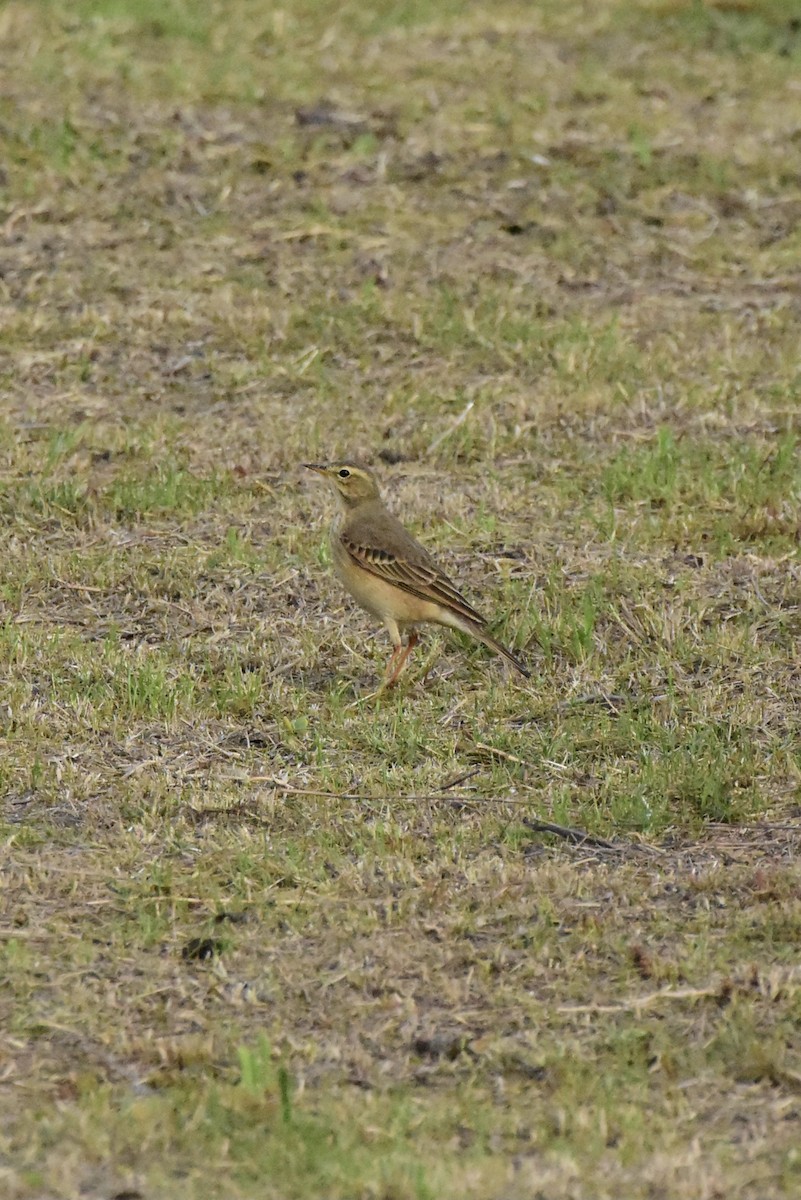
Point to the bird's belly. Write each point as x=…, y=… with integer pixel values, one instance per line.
x=382, y=599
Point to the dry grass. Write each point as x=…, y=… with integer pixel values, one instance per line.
x=263, y=934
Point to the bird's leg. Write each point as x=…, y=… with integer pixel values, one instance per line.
x=402, y=653
x=395, y=652
x=394, y=632
x=397, y=646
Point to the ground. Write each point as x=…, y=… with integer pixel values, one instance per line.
x=264, y=932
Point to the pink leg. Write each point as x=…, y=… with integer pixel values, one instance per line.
x=392, y=660
x=401, y=654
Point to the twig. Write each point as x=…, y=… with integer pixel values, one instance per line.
x=365, y=797
x=446, y=433
x=578, y=837
x=79, y=587
x=638, y=1002
x=452, y=783
x=610, y=700
x=500, y=753
x=288, y=790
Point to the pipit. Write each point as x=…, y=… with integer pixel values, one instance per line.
x=392, y=575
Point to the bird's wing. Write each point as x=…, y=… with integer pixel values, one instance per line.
x=384, y=548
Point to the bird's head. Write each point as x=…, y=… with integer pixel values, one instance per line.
x=353, y=483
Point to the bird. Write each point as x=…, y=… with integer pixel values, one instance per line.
x=390, y=574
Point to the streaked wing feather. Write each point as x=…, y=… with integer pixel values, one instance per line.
x=418, y=577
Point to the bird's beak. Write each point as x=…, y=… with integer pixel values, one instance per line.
x=320, y=468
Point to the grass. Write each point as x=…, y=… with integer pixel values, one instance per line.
x=265, y=934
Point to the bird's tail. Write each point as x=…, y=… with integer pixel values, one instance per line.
x=487, y=639
x=457, y=620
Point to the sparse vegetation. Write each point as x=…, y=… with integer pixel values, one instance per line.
x=263, y=934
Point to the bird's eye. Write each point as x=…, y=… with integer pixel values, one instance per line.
x=344, y=473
